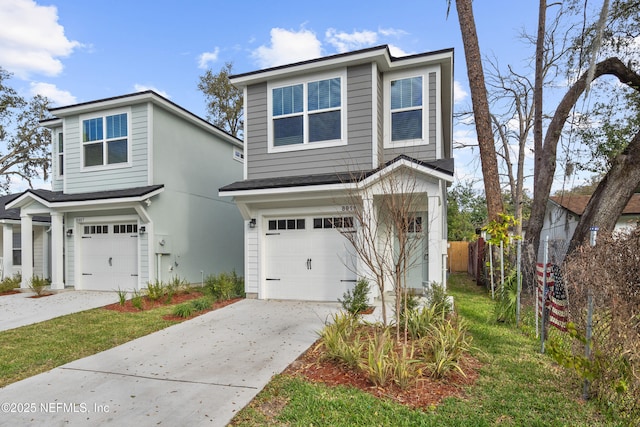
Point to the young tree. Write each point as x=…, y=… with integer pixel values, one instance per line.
x=224, y=101
x=25, y=149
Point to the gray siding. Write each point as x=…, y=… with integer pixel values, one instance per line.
x=380, y=120
x=136, y=175
x=356, y=155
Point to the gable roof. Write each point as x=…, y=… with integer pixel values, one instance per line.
x=576, y=204
x=443, y=166
x=14, y=214
x=132, y=98
x=378, y=54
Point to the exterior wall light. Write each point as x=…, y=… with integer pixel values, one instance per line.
x=252, y=223
x=70, y=232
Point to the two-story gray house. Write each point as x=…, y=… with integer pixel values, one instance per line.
x=318, y=132
x=134, y=196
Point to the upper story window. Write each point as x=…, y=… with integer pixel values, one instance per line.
x=307, y=114
x=410, y=106
x=105, y=140
x=60, y=154
x=406, y=109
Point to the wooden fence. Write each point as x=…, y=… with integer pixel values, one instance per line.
x=458, y=256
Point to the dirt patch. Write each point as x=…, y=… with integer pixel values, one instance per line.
x=426, y=393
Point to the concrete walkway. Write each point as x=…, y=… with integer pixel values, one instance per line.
x=21, y=309
x=199, y=372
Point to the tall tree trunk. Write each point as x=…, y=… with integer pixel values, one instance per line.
x=547, y=169
x=612, y=194
x=481, y=114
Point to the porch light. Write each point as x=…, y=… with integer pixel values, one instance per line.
x=142, y=229
x=252, y=223
x=70, y=232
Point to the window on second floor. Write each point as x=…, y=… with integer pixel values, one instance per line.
x=60, y=154
x=105, y=140
x=307, y=114
x=406, y=109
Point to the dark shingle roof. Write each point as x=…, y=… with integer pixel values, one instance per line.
x=59, y=196
x=443, y=165
x=14, y=214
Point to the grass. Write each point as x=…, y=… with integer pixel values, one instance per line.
x=37, y=348
x=517, y=386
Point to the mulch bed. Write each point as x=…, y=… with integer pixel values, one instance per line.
x=179, y=298
x=12, y=292
x=426, y=393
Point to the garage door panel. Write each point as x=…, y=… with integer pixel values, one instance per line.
x=308, y=264
x=109, y=258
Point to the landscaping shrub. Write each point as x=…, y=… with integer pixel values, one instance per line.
x=122, y=296
x=201, y=304
x=10, y=282
x=155, y=290
x=356, y=301
x=446, y=343
x=136, y=300
x=225, y=286
x=438, y=298
x=183, y=310
x=38, y=284
x=377, y=364
x=340, y=340
x=506, y=300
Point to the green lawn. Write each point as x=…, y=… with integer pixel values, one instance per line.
x=517, y=386
x=37, y=348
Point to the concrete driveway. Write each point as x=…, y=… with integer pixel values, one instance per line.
x=199, y=372
x=21, y=309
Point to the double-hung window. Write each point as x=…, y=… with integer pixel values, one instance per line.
x=307, y=114
x=105, y=140
x=411, y=105
x=406, y=109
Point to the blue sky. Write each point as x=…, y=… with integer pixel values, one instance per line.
x=75, y=51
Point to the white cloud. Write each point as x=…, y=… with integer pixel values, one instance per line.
x=288, y=46
x=206, y=57
x=57, y=96
x=141, y=88
x=459, y=94
x=392, y=32
x=345, y=42
x=396, y=52
x=31, y=40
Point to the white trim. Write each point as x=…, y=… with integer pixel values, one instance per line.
x=245, y=134
x=150, y=143
x=375, y=161
x=105, y=165
x=439, y=129
x=18, y=202
x=306, y=145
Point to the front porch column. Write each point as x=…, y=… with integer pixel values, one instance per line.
x=370, y=218
x=57, y=251
x=26, y=225
x=7, y=250
x=435, y=215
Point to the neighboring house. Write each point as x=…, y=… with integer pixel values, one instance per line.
x=563, y=214
x=134, y=196
x=11, y=241
x=318, y=131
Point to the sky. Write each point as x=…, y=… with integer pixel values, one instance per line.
x=77, y=51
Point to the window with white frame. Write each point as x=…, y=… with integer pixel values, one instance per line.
x=307, y=114
x=17, y=248
x=60, y=154
x=408, y=97
x=105, y=140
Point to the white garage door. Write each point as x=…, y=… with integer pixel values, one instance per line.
x=110, y=257
x=308, y=259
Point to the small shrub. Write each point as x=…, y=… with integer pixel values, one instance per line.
x=136, y=299
x=178, y=285
x=446, y=343
x=183, y=310
x=341, y=341
x=357, y=301
x=238, y=285
x=10, y=282
x=224, y=286
x=506, y=301
x=155, y=290
x=403, y=363
x=38, y=285
x=438, y=299
x=122, y=296
x=377, y=364
x=201, y=304
x=419, y=321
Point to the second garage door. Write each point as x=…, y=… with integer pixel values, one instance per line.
x=109, y=257
x=307, y=258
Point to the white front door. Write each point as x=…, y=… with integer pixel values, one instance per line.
x=418, y=252
x=109, y=257
x=308, y=259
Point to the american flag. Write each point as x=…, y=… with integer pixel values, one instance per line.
x=556, y=296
